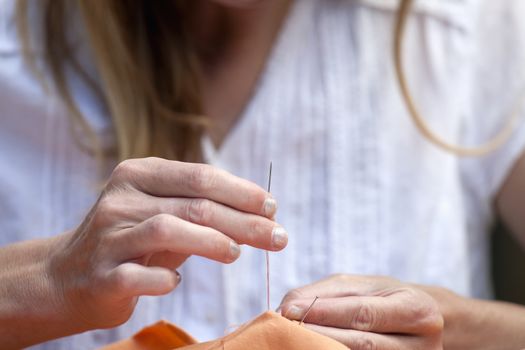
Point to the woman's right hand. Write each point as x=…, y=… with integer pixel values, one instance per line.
x=152, y=215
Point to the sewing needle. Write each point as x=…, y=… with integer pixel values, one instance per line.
x=308, y=310
x=267, y=253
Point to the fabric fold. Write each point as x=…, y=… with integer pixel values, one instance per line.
x=269, y=331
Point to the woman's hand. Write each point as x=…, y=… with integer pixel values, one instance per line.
x=362, y=312
x=151, y=216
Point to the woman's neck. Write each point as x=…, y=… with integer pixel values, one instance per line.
x=221, y=31
x=233, y=44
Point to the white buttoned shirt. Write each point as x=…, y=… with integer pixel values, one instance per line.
x=359, y=189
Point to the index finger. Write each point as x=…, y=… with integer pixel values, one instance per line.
x=341, y=285
x=165, y=178
x=405, y=312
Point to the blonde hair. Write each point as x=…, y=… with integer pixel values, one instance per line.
x=148, y=71
x=147, y=67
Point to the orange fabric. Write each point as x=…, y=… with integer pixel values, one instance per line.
x=269, y=331
x=160, y=336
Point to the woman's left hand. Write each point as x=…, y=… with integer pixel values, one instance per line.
x=365, y=312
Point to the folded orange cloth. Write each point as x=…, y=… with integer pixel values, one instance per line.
x=160, y=336
x=269, y=331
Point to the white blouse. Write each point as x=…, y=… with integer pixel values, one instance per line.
x=360, y=190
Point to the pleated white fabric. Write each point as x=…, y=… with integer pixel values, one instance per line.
x=359, y=189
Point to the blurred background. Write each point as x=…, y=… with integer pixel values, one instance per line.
x=508, y=259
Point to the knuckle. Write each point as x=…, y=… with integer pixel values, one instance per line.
x=109, y=204
x=425, y=312
x=105, y=203
x=201, y=178
x=152, y=160
x=106, y=212
x=365, y=343
x=130, y=171
x=366, y=318
x=435, y=324
x=160, y=227
x=199, y=211
x=96, y=280
x=340, y=277
x=293, y=294
x=120, y=279
x=124, y=169
x=432, y=319
x=411, y=293
x=387, y=280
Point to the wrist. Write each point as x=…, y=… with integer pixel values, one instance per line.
x=479, y=324
x=30, y=306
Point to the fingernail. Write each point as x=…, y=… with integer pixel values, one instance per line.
x=279, y=237
x=294, y=313
x=235, y=250
x=178, y=277
x=269, y=207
